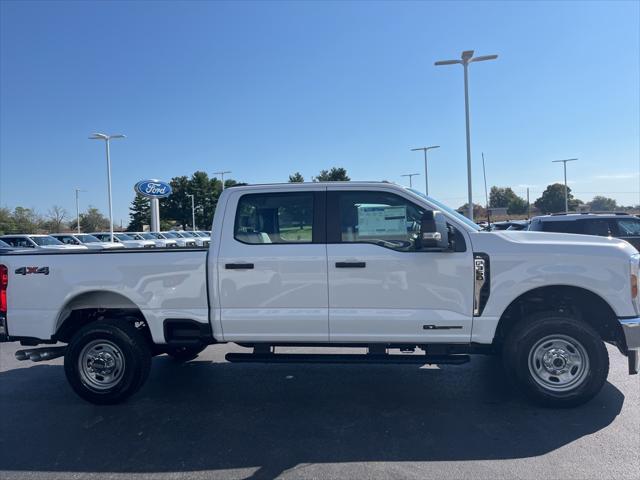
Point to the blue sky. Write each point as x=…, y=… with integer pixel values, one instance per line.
x=268, y=88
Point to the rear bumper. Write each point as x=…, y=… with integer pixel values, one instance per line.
x=631, y=332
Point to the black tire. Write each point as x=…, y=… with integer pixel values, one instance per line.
x=527, y=368
x=117, y=340
x=184, y=354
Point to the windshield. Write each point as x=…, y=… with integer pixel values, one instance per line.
x=188, y=234
x=201, y=234
x=449, y=210
x=168, y=235
x=147, y=236
x=44, y=241
x=4, y=244
x=87, y=238
x=178, y=235
x=122, y=236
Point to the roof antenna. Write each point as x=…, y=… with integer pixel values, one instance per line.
x=486, y=195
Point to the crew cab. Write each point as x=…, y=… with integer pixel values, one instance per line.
x=344, y=264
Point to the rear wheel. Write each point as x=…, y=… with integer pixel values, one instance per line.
x=556, y=360
x=107, y=361
x=184, y=354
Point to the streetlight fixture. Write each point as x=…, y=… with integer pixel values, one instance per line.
x=222, y=176
x=193, y=212
x=78, y=207
x=107, y=139
x=426, y=175
x=410, y=175
x=566, y=190
x=465, y=59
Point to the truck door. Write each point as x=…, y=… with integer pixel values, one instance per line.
x=381, y=288
x=272, y=267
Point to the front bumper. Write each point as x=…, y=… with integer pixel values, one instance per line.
x=631, y=333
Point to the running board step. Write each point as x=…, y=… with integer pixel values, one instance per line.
x=346, y=358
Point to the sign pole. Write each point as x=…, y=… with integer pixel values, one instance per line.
x=155, y=214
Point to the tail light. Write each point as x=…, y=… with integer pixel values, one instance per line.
x=4, y=282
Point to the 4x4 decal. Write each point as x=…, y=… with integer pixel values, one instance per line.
x=30, y=270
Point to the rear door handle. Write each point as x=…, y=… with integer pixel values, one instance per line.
x=351, y=264
x=238, y=266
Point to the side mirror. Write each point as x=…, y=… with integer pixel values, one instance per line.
x=434, y=233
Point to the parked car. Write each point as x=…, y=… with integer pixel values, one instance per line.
x=183, y=240
x=189, y=237
x=335, y=265
x=160, y=242
x=87, y=240
x=124, y=239
x=206, y=237
x=616, y=225
x=38, y=242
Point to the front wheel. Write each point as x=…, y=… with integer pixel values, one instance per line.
x=556, y=360
x=107, y=361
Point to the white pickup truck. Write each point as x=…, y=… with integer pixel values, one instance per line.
x=345, y=264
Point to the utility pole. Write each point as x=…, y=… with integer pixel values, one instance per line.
x=465, y=59
x=222, y=176
x=566, y=189
x=410, y=175
x=78, y=207
x=107, y=140
x=426, y=174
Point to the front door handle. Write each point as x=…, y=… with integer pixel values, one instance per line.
x=351, y=264
x=238, y=266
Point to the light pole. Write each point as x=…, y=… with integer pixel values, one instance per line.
x=566, y=190
x=193, y=212
x=410, y=175
x=426, y=175
x=107, y=140
x=78, y=207
x=222, y=176
x=465, y=59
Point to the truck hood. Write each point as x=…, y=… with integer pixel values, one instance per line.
x=552, y=243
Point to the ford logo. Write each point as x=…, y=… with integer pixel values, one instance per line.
x=153, y=188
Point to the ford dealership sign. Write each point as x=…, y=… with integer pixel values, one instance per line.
x=153, y=188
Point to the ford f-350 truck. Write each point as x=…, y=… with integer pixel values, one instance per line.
x=343, y=264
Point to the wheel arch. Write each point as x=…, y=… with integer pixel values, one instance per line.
x=579, y=302
x=95, y=305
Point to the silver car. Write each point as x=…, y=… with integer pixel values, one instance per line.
x=89, y=241
x=38, y=242
x=160, y=242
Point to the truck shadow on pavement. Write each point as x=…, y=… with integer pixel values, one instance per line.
x=271, y=418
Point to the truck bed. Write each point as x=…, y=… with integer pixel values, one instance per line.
x=163, y=283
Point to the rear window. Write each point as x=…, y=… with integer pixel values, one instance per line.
x=275, y=218
x=629, y=227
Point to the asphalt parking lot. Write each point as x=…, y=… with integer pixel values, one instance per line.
x=212, y=419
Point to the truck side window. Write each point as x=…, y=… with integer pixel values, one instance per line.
x=380, y=218
x=275, y=218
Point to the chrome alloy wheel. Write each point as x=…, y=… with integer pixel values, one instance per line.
x=558, y=363
x=101, y=365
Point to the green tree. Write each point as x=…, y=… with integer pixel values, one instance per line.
x=336, y=174
x=139, y=213
x=506, y=198
x=552, y=199
x=26, y=220
x=92, y=221
x=602, y=204
x=478, y=210
x=296, y=178
x=7, y=225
